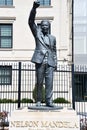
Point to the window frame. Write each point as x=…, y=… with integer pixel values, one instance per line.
x=6, y=4
x=9, y=37
x=45, y=4
x=2, y=76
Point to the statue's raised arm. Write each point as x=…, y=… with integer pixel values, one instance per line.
x=31, y=20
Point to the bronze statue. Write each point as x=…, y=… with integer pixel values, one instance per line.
x=44, y=57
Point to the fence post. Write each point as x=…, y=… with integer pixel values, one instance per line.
x=73, y=88
x=19, y=85
x=73, y=85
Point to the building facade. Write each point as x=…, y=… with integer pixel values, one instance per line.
x=17, y=42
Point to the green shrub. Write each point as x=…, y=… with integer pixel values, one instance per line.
x=35, y=94
x=15, y=101
x=0, y=100
x=60, y=100
x=26, y=100
x=6, y=100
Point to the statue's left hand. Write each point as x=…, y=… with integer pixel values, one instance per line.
x=36, y=4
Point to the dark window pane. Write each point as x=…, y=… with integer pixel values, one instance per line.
x=9, y=2
x=45, y=2
x=5, y=75
x=6, y=36
x=80, y=86
x=6, y=2
x=5, y=43
x=6, y=30
x=2, y=2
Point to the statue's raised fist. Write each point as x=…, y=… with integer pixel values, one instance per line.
x=36, y=4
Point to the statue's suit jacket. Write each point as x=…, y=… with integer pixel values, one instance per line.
x=41, y=47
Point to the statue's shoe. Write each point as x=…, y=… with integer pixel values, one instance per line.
x=50, y=105
x=38, y=104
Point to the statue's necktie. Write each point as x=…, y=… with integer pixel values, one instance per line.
x=46, y=40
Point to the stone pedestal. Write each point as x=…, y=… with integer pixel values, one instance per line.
x=25, y=119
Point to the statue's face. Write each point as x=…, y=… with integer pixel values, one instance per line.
x=45, y=27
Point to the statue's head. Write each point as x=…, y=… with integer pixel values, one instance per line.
x=45, y=24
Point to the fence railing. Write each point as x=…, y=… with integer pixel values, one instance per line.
x=18, y=80
x=17, y=84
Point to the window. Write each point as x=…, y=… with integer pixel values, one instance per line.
x=6, y=2
x=80, y=8
x=45, y=2
x=5, y=75
x=80, y=27
x=5, y=36
x=80, y=86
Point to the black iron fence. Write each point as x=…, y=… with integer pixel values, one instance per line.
x=18, y=80
x=80, y=85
